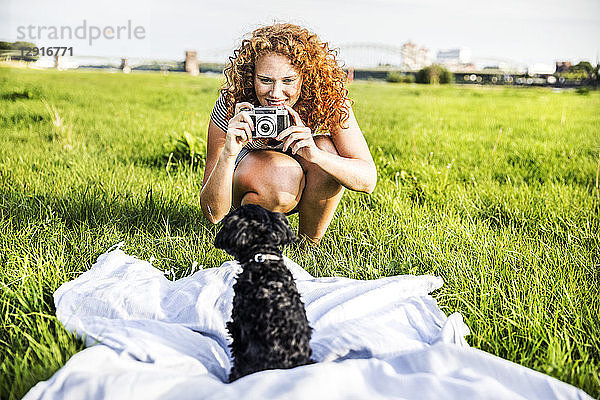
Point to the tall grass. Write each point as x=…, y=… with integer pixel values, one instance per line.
x=493, y=189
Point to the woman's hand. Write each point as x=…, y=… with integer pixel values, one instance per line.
x=239, y=130
x=298, y=138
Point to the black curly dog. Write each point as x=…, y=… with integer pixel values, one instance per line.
x=269, y=325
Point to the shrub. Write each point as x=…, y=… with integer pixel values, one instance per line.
x=185, y=149
x=398, y=77
x=583, y=91
x=434, y=74
x=394, y=77
x=409, y=78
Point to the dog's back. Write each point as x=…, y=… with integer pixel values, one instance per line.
x=269, y=327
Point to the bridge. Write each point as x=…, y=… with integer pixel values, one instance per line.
x=373, y=55
x=360, y=55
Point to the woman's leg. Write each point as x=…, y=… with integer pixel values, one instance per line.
x=320, y=197
x=281, y=183
x=271, y=179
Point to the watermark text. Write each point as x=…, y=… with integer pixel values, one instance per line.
x=83, y=32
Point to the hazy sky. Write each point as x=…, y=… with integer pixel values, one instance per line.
x=522, y=30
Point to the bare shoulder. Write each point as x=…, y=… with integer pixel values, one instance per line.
x=349, y=139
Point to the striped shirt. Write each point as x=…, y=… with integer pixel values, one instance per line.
x=221, y=118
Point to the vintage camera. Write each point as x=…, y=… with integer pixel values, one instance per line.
x=269, y=121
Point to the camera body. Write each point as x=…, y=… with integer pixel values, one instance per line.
x=269, y=121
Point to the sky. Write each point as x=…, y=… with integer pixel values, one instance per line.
x=524, y=31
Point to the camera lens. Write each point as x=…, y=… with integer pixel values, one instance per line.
x=265, y=127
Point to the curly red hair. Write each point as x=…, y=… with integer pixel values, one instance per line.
x=321, y=104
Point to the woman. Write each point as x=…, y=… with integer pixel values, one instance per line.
x=306, y=168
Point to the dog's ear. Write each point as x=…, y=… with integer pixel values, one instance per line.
x=233, y=234
x=280, y=226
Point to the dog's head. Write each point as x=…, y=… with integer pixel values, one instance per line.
x=251, y=225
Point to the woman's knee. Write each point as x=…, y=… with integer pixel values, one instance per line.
x=269, y=179
x=269, y=197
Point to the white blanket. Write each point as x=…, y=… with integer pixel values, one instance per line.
x=152, y=338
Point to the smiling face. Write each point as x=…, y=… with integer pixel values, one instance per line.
x=276, y=82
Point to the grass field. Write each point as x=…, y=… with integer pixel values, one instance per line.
x=493, y=189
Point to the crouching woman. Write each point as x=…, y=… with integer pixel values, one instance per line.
x=306, y=168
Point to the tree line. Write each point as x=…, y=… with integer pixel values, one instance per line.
x=13, y=49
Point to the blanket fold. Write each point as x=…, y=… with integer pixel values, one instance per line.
x=151, y=338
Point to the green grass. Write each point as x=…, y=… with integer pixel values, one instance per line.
x=493, y=189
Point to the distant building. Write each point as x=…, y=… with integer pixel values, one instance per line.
x=191, y=63
x=500, y=66
x=454, y=58
x=468, y=67
x=563, y=66
x=541, y=69
x=125, y=66
x=414, y=57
